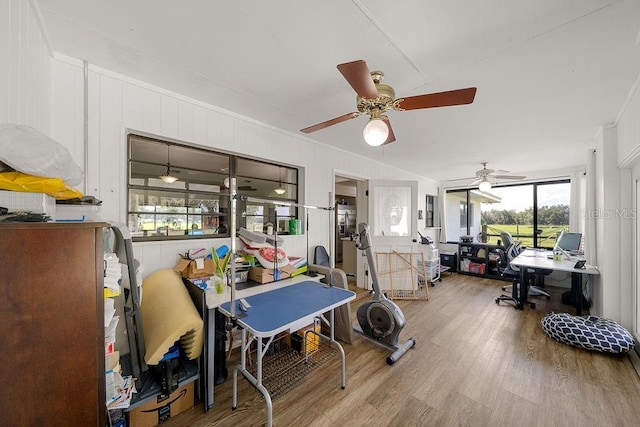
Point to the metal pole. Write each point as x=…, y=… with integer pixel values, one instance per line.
x=232, y=260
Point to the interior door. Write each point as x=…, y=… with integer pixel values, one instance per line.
x=392, y=217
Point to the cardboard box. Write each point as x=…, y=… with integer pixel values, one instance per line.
x=193, y=269
x=162, y=407
x=265, y=275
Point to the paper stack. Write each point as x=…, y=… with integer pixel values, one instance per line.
x=300, y=264
x=119, y=390
x=112, y=275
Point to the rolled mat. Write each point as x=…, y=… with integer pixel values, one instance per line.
x=168, y=315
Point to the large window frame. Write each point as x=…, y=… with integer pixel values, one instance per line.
x=197, y=204
x=538, y=241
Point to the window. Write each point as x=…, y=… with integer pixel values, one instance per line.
x=196, y=204
x=266, y=181
x=466, y=215
x=431, y=212
x=533, y=213
x=392, y=206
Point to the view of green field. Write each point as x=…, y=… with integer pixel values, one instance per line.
x=524, y=233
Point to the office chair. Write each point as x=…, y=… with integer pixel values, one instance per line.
x=320, y=256
x=512, y=249
x=502, y=263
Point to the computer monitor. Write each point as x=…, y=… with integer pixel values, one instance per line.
x=569, y=242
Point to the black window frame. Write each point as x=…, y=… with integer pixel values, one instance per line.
x=192, y=222
x=534, y=203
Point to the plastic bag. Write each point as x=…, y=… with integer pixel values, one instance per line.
x=55, y=187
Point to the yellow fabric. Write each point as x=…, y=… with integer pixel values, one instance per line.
x=55, y=187
x=168, y=315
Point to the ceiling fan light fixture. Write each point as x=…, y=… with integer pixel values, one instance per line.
x=484, y=186
x=376, y=132
x=280, y=191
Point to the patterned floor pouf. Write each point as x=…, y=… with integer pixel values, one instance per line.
x=588, y=332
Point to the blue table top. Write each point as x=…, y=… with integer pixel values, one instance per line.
x=275, y=311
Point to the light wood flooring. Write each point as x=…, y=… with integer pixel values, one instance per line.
x=475, y=363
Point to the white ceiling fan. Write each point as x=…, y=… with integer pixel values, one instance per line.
x=484, y=174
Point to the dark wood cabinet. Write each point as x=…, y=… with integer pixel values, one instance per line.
x=52, y=324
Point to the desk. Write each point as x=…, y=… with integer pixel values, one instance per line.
x=207, y=301
x=539, y=260
x=284, y=309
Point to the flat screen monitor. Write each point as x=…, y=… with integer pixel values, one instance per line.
x=569, y=242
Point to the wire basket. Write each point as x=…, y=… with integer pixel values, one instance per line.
x=284, y=367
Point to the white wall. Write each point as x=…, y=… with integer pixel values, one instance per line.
x=628, y=164
x=606, y=287
x=617, y=152
x=118, y=105
x=48, y=95
x=25, y=67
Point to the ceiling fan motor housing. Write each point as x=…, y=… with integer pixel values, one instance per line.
x=383, y=102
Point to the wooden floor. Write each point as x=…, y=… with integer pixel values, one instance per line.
x=475, y=363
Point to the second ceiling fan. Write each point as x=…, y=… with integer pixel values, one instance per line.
x=375, y=98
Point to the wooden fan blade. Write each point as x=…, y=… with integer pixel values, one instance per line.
x=508, y=176
x=359, y=77
x=330, y=122
x=440, y=99
x=392, y=136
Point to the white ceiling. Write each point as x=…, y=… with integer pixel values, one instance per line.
x=548, y=72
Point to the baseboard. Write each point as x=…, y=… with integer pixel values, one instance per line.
x=634, y=356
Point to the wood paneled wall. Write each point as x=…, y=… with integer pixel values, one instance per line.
x=118, y=104
x=25, y=67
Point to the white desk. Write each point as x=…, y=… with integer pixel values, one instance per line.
x=536, y=259
x=284, y=309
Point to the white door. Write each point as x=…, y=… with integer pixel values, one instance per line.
x=392, y=218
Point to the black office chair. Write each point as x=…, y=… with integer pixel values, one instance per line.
x=502, y=263
x=512, y=249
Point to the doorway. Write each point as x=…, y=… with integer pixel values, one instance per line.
x=346, y=217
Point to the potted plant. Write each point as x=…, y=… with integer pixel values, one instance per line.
x=219, y=279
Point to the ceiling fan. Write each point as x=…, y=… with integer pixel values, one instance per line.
x=483, y=175
x=375, y=98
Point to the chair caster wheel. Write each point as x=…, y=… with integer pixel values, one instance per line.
x=498, y=301
x=548, y=298
x=532, y=305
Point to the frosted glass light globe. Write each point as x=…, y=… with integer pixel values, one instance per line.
x=376, y=132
